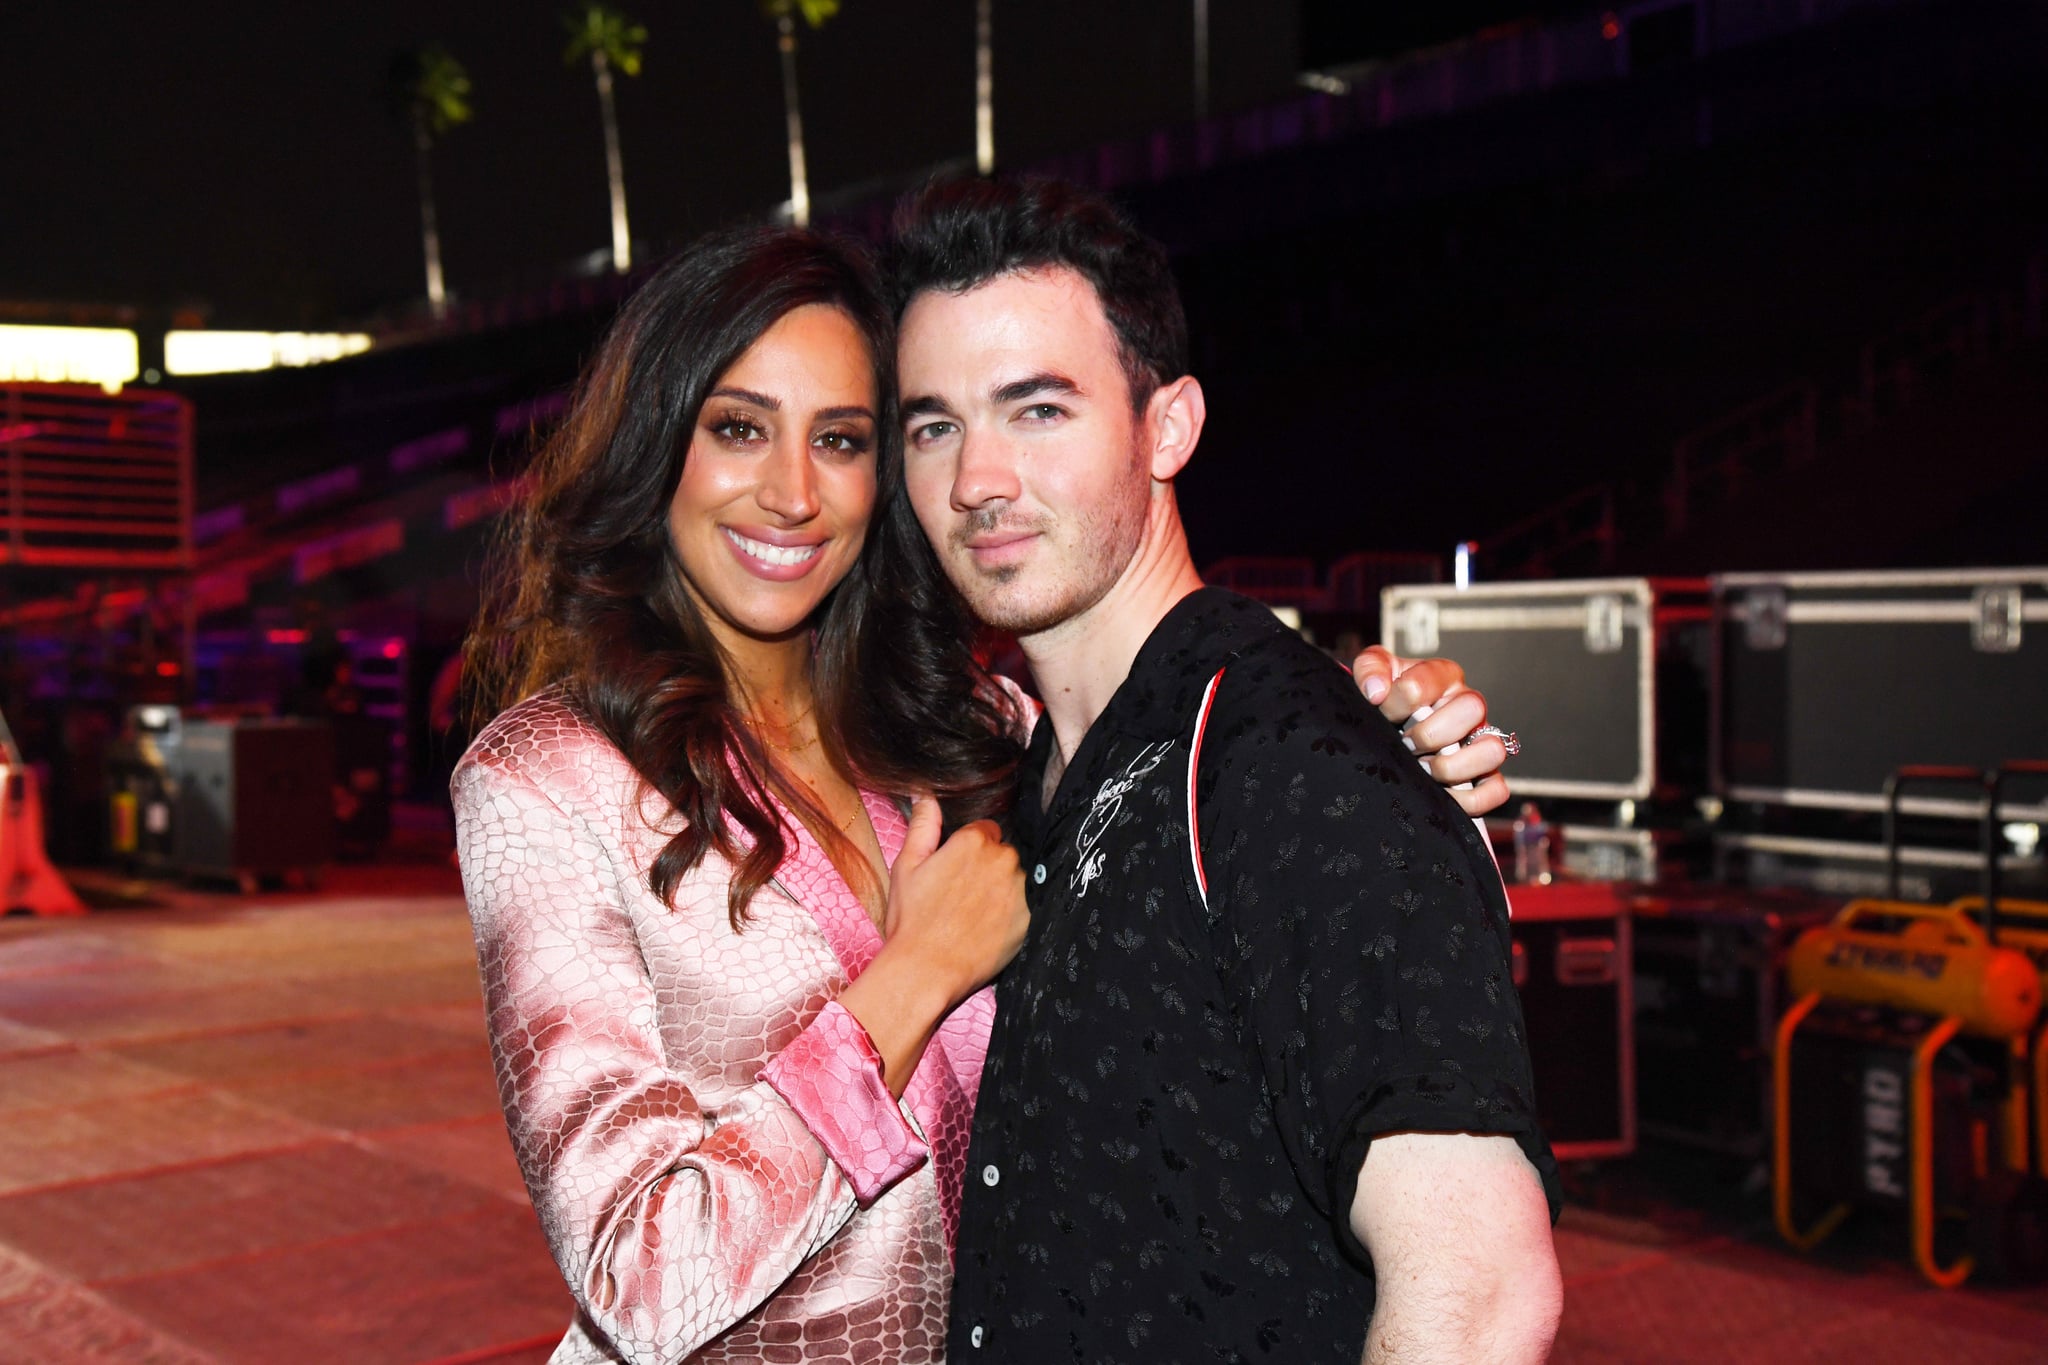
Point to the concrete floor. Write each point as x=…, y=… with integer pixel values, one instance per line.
x=264, y=1130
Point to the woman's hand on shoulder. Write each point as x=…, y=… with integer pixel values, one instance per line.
x=1437, y=713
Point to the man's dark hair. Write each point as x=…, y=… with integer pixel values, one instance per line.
x=956, y=234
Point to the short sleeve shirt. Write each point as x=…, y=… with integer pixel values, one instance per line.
x=1188, y=1066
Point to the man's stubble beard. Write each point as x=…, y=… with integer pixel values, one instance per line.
x=1089, y=560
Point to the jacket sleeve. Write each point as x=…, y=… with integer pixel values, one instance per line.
x=670, y=1222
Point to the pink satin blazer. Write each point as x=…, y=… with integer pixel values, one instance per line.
x=715, y=1162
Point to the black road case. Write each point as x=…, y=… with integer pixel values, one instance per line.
x=1829, y=682
x=1935, y=867
x=1709, y=969
x=255, y=799
x=1603, y=679
x=1571, y=966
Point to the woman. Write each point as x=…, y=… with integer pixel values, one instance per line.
x=735, y=993
x=708, y=986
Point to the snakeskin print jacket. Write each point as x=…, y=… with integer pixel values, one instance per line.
x=716, y=1164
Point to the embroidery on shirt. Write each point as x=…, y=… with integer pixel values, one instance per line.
x=1109, y=799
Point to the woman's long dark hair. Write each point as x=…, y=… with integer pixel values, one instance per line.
x=586, y=594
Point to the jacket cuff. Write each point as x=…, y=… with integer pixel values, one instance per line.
x=832, y=1076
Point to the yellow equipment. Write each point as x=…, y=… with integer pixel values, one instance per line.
x=2023, y=926
x=1928, y=959
x=1901, y=1075
x=1943, y=976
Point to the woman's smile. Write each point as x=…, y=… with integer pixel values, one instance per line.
x=782, y=563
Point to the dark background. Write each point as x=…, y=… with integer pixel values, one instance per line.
x=1414, y=328
x=241, y=154
x=1411, y=335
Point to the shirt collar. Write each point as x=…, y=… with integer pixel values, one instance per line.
x=1156, y=700
x=1204, y=631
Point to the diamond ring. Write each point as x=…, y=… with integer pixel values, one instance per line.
x=1507, y=738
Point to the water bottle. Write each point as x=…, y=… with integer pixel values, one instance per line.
x=1532, y=846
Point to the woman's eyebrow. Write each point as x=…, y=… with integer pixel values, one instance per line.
x=760, y=400
x=842, y=414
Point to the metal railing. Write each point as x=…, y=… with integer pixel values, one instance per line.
x=1775, y=433
x=1499, y=64
x=1356, y=579
x=94, y=480
x=1893, y=369
x=1280, y=580
x=1352, y=585
x=1781, y=431
x=1576, y=535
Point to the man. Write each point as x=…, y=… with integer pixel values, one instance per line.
x=1258, y=1088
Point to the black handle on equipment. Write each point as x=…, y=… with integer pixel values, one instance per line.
x=1944, y=772
x=2012, y=767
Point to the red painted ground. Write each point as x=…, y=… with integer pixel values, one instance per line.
x=264, y=1130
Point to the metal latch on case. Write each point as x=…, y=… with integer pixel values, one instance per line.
x=1587, y=962
x=1419, y=626
x=1995, y=627
x=1606, y=624
x=1765, y=618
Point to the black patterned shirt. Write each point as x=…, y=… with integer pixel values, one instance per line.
x=1184, y=1077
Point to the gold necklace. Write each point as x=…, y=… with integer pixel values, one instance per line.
x=753, y=723
x=760, y=731
x=846, y=825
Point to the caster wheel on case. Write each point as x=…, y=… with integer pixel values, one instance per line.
x=2009, y=1228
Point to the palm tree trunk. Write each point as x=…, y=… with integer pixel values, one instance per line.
x=614, y=164
x=984, y=87
x=799, y=180
x=430, y=231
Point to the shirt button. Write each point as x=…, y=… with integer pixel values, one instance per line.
x=1038, y=874
x=990, y=1175
x=974, y=1338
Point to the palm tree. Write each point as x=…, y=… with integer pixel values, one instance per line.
x=783, y=14
x=612, y=42
x=984, y=87
x=431, y=91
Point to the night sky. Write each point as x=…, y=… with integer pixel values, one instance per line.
x=239, y=157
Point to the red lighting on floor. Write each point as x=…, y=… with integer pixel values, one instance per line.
x=285, y=637
x=393, y=648
x=168, y=668
x=1610, y=27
